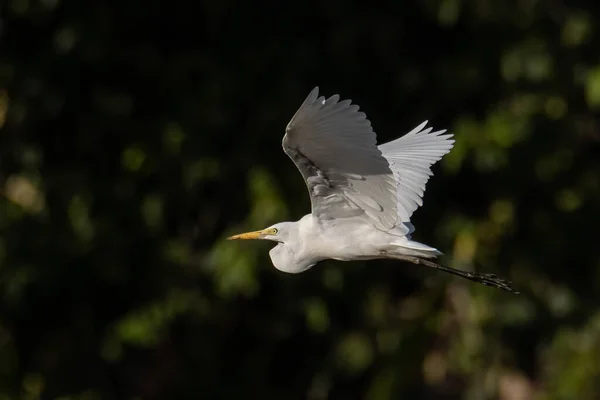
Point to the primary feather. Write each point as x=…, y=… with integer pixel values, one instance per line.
x=411, y=157
x=334, y=147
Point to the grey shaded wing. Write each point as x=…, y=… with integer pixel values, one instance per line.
x=411, y=157
x=334, y=147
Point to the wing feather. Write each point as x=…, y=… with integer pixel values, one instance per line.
x=411, y=157
x=334, y=147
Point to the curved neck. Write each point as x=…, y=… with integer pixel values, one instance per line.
x=289, y=255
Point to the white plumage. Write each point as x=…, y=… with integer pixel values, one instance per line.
x=334, y=147
x=362, y=195
x=411, y=157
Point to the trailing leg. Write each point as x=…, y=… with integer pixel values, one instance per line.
x=484, y=279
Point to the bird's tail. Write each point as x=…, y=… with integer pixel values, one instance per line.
x=411, y=248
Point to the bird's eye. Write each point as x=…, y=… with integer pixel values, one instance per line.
x=274, y=231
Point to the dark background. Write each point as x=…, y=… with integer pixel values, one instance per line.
x=137, y=135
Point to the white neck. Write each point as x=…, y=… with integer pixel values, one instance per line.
x=289, y=255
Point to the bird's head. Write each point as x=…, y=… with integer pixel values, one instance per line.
x=285, y=255
x=276, y=233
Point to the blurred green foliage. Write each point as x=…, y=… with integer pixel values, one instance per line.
x=135, y=136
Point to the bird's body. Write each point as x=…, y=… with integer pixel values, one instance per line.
x=362, y=195
x=315, y=240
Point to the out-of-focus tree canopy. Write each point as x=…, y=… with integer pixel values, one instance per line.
x=135, y=136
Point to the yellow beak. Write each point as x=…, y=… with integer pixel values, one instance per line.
x=247, y=235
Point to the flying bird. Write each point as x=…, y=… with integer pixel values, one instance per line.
x=362, y=195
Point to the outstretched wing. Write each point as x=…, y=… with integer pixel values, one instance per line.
x=334, y=147
x=411, y=157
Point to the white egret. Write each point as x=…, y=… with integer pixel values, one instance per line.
x=362, y=195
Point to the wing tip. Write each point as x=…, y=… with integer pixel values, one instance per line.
x=314, y=93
